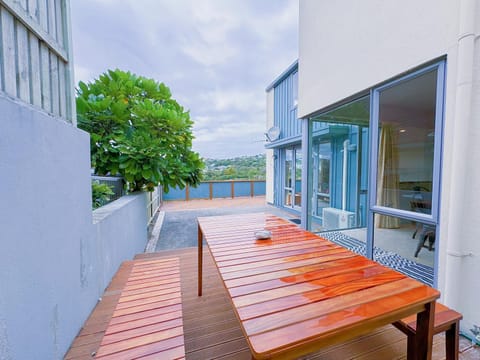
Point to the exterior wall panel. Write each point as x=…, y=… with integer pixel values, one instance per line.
x=34, y=56
x=285, y=112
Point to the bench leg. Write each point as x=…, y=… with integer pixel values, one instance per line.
x=452, y=342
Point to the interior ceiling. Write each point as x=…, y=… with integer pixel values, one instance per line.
x=415, y=95
x=410, y=107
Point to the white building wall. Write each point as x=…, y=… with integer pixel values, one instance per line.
x=368, y=42
x=269, y=193
x=346, y=47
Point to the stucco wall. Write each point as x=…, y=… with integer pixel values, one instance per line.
x=367, y=42
x=53, y=266
x=349, y=46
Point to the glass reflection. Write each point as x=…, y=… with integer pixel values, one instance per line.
x=410, y=240
x=406, y=146
x=339, y=151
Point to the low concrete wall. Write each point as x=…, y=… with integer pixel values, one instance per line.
x=121, y=232
x=55, y=260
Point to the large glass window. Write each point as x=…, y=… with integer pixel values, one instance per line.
x=406, y=178
x=339, y=142
x=406, y=120
x=374, y=172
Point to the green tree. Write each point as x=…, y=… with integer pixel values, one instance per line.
x=101, y=194
x=138, y=131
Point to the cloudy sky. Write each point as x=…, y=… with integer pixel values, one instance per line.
x=217, y=57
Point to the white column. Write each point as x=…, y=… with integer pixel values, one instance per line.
x=461, y=242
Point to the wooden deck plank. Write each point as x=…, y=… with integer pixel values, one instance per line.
x=147, y=314
x=208, y=321
x=140, y=337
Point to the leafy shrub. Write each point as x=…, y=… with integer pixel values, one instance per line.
x=138, y=132
x=101, y=194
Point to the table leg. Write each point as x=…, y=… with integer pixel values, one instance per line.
x=200, y=260
x=424, y=335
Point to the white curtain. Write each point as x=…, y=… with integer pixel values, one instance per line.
x=387, y=178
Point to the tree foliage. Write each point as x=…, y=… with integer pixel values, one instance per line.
x=138, y=131
x=101, y=194
x=239, y=168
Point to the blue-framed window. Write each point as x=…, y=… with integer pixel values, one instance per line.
x=406, y=150
x=385, y=171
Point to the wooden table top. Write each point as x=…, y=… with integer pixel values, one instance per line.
x=296, y=292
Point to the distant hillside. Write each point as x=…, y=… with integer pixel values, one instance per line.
x=239, y=168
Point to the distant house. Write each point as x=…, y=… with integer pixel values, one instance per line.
x=284, y=151
x=386, y=134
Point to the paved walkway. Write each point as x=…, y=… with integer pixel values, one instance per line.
x=179, y=228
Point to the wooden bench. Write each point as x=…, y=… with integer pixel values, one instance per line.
x=445, y=320
x=147, y=321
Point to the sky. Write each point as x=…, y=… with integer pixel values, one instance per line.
x=216, y=56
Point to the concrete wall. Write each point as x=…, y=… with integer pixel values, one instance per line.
x=120, y=232
x=349, y=46
x=269, y=152
x=54, y=262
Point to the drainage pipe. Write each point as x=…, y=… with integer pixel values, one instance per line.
x=458, y=235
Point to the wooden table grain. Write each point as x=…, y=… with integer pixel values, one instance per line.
x=297, y=292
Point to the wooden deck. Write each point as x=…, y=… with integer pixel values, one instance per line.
x=212, y=330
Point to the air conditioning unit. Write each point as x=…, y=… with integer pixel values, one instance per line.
x=337, y=219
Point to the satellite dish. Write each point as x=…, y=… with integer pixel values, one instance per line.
x=273, y=133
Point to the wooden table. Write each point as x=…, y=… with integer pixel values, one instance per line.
x=297, y=292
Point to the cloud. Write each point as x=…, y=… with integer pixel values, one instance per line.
x=216, y=56
x=222, y=100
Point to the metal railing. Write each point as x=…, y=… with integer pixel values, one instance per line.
x=154, y=201
x=218, y=189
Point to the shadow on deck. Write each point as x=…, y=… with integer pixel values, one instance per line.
x=213, y=332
